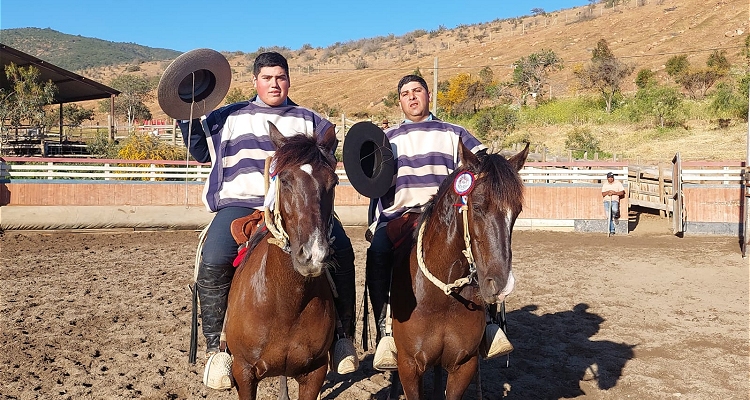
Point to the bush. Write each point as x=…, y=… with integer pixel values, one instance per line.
x=101, y=146
x=144, y=146
x=499, y=118
x=583, y=142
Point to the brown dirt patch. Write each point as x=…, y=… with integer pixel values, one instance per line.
x=648, y=315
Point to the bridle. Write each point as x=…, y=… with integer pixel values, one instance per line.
x=462, y=185
x=273, y=219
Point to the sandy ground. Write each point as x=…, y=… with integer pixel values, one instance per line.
x=106, y=315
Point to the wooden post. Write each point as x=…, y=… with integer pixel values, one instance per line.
x=662, y=198
x=434, y=87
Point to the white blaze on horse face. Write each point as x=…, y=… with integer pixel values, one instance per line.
x=318, y=248
x=509, y=220
x=307, y=168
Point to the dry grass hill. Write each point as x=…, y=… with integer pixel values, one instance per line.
x=354, y=77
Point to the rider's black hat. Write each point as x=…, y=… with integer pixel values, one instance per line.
x=368, y=159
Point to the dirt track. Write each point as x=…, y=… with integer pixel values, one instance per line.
x=645, y=316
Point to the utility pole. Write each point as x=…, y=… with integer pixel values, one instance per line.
x=434, y=87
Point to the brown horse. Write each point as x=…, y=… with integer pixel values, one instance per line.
x=280, y=314
x=443, y=326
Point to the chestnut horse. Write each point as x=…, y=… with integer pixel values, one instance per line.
x=280, y=314
x=464, y=248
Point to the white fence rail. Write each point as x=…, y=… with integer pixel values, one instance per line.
x=159, y=170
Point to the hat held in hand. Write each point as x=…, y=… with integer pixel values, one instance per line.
x=199, y=78
x=368, y=159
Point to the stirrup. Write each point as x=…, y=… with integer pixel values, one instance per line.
x=345, y=360
x=218, y=372
x=385, y=358
x=494, y=343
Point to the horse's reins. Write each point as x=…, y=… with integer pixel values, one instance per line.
x=273, y=219
x=463, y=208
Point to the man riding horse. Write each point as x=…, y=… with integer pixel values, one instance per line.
x=235, y=138
x=425, y=149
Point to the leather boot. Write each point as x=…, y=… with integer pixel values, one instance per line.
x=494, y=342
x=213, y=284
x=345, y=358
x=378, y=267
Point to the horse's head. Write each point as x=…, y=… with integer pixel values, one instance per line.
x=306, y=171
x=493, y=206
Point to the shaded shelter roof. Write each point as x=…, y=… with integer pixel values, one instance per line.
x=71, y=87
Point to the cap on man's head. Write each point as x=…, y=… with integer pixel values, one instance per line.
x=610, y=175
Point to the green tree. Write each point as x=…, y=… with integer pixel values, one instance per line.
x=531, y=73
x=25, y=101
x=604, y=74
x=73, y=116
x=236, y=95
x=677, y=65
x=644, y=78
x=662, y=102
x=135, y=91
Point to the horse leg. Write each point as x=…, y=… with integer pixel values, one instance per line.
x=411, y=379
x=247, y=385
x=283, y=388
x=460, y=378
x=311, y=383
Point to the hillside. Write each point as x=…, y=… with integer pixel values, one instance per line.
x=75, y=52
x=354, y=77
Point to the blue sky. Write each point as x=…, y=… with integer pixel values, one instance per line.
x=247, y=25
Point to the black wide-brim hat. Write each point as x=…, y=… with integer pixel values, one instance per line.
x=368, y=159
x=201, y=76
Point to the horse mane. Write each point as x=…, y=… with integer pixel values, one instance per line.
x=300, y=150
x=506, y=187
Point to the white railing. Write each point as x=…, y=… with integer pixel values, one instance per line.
x=97, y=169
x=573, y=172
x=161, y=170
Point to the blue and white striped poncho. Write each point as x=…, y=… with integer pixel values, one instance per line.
x=238, y=144
x=426, y=153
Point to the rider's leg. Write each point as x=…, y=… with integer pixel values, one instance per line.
x=213, y=281
x=378, y=267
x=345, y=355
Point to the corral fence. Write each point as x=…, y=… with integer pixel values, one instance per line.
x=562, y=196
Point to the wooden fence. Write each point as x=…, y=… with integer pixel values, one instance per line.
x=559, y=195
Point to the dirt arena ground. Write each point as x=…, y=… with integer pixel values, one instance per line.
x=645, y=316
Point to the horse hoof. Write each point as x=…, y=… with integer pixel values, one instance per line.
x=494, y=343
x=345, y=359
x=218, y=372
x=385, y=358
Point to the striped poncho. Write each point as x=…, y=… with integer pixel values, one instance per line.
x=426, y=152
x=238, y=144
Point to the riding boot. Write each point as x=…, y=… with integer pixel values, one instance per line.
x=345, y=358
x=378, y=267
x=494, y=342
x=213, y=284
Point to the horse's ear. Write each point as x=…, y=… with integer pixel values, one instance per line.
x=329, y=140
x=276, y=137
x=465, y=156
x=519, y=159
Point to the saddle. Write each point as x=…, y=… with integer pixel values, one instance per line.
x=247, y=232
x=243, y=228
x=401, y=230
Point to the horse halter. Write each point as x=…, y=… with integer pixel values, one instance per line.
x=462, y=185
x=273, y=220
